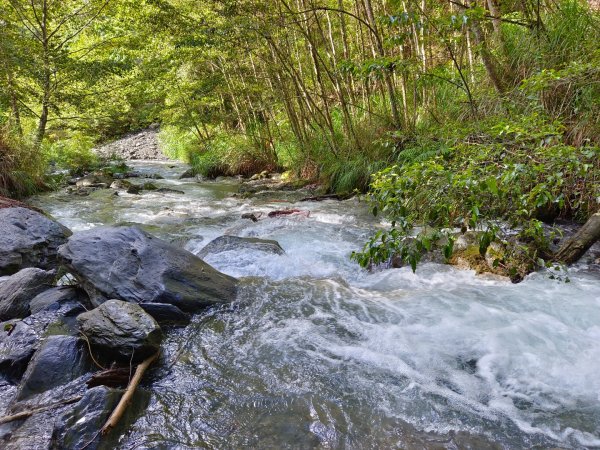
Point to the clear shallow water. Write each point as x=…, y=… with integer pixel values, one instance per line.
x=316, y=353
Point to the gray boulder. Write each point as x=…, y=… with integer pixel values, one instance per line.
x=19, y=289
x=28, y=239
x=129, y=264
x=58, y=361
x=122, y=330
x=229, y=243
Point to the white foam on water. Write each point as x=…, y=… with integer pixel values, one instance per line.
x=441, y=348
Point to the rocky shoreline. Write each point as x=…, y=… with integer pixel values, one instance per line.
x=79, y=309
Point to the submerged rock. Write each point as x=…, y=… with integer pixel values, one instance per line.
x=28, y=239
x=94, y=180
x=122, y=330
x=20, y=289
x=79, y=428
x=120, y=184
x=129, y=264
x=237, y=243
x=189, y=173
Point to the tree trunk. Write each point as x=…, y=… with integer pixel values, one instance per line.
x=575, y=247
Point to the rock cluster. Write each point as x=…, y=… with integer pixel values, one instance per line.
x=140, y=145
x=130, y=285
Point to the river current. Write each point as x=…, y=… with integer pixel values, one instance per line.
x=318, y=353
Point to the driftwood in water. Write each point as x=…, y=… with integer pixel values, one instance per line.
x=287, y=212
x=320, y=198
x=118, y=412
x=114, y=377
x=30, y=412
x=580, y=242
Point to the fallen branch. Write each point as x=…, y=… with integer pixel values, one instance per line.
x=320, y=198
x=118, y=412
x=31, y=412
x=113, y=377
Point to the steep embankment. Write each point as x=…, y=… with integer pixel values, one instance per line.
x=139, y=145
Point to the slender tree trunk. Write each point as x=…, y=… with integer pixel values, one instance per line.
x=575, y=247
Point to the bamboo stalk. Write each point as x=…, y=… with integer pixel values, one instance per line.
x=118, y=412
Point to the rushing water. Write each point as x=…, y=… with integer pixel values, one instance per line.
x=317, y=353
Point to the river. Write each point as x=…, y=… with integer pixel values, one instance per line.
x=317, y=353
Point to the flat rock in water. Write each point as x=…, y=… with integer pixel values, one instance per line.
x=79, y=428
x=236, y=243
x=126, y=263
x=121, y=330
x=58, y=361
x=19, y=289
x=28, y=239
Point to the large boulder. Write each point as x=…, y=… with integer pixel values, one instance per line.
x=19, y=289
x=129, y=264
x=122, y=330
x=28, y=239
x=236, y=243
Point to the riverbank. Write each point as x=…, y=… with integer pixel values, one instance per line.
x=377, y=355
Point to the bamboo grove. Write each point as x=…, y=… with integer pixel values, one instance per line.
x=333, y=89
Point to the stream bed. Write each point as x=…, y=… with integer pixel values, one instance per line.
x=317, y=353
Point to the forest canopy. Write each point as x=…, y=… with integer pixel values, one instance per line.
x=452, y=111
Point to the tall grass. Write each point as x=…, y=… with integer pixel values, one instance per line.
x=22, y=167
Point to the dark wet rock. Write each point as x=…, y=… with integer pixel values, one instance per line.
x=19, y=339
x=58, y=361
x=19, y=290
x=252, y=216
x=134, y=189
x=56, y=297
x=169, y=191
x=18, y=342
x=78, y=428
x=190, y=173
x=166, y=314
x=94, y=180
x=129, y=264
x=122, y=330
x=154, y=176
x=120, y=184
x=236, y=243
x=28, y=239
x=147, y=186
